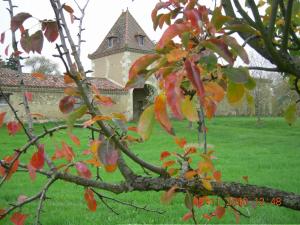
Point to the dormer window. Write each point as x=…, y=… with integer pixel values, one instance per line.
x=140, y=39
x=111, y=41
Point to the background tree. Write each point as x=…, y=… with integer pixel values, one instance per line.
x=199, y=64
x=40, y=64
x=10, y=63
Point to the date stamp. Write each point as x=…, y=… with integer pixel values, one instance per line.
x=241, y=202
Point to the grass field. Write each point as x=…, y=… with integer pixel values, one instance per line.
x=268, y=153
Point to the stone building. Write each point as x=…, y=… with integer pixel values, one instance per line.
x=125, y=42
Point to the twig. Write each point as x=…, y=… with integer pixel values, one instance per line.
x=202, y=128
x=128, y=204
x=234, y=208
x=287, y=20
x=263, y=68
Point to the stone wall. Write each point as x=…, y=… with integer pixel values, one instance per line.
x=115, y=67
x=46, y=101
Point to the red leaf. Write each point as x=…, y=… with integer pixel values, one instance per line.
x=2, y=37
x=6, y=50
x=38, y=158
x=134, y=129
x=32, y=172
x=17, y=53
x=75, y=139
x=18, y=20
x=68, y=8
x=161, y=113
x=50, y=29
x=187, y=216
x=39, y=76
x=90, y=200
x=198, y=202
x=171, y=32
x=66, y=104
x=210, y=107
x=174, y=95
x=217, y=175
x=2, y=211
x=14, y=167
x=18, y=218
x=68, y=152
x=193, y=74
x=164, y=155
x=83, y=170
x=219, y=212
x=194, y=16
x=32, y=43
x=28, y=96
x=180, y=142
x=13, y=127
x=87, y=152
x=2, y=116
x=108, y=155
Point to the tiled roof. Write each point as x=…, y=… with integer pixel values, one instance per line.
x=126, y=29
x=12, y=78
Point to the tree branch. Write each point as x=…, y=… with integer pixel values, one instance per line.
x=287, y=19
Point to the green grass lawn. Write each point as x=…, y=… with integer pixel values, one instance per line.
x=268, y=153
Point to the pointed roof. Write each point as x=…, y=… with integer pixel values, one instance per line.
x=125, y=30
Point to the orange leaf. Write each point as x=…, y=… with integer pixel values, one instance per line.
x=171, y=32
x=14, y=167
x=198, y=202
x=13, y=127
x=2, y=115
x=134, y=129
x=172, y=171
x=95, y=119
x=141, y=64
x=68, y=8
x=210, y=107
x=104, y=100
x=219, y=212
x=217, y=175
x=168, y=163
x=168, y=195
x=68, y=79
x=90, y=200
x=75, y=139
x=18, y=218
x=94, y=145
x=39, y=76
x=161, y=113
x=180, y=142
x=190, y=174
x=187, y=216
x=214, y=90
x=164, y=154
x=206, y=216
x=119, y=116
x=70, y=91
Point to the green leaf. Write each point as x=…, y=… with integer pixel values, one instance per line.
x=210, y=61
x=290, y=114
x=188, y=201
x=238, y=75
x=244, y=28
x=235, y=92
x=218, y=19
x=251, y=83
x=146, y=122
x=76, y=114
x=185, y=37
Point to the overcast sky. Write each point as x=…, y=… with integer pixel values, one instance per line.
x=100, y=17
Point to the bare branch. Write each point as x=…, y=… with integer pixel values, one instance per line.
x=287, y=19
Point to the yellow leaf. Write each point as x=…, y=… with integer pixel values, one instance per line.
x=235, y=92
x=176, y=55
x=207, y=185
x=188, y=109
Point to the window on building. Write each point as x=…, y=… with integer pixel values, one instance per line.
x=111, y=41
x=3, y=99
x=141, y=40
